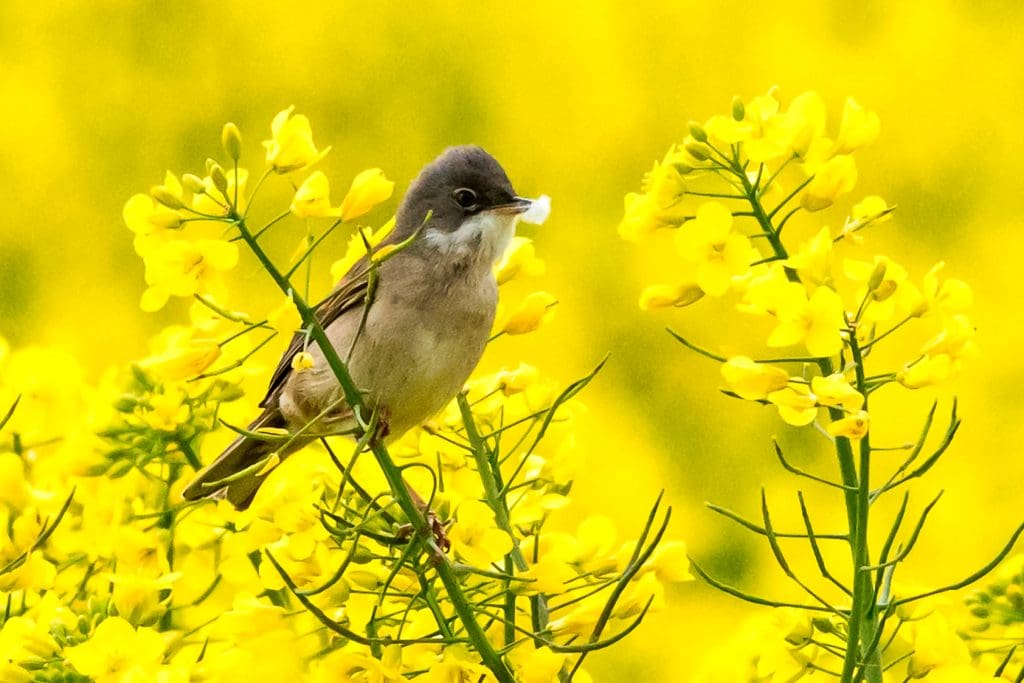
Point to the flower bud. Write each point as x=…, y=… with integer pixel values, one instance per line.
x=697, y=151
x=210, y=163
x=302, y=361
x=193, y=183
x=163, y=196
x=697, y=132
x=231, y=140
x=220, y=181
x=738, y=110
x=877, y=275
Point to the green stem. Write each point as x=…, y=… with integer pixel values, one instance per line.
x=490, y=476
x=399, y=489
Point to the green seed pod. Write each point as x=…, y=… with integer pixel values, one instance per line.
x=231, y=139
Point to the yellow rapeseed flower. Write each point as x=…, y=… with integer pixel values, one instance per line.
x=476, y=538
x=529, y=315
x=753, y=381
x=835, y=391
x=835, y=177
x=116, y=652
x=369, y=188
x=313, y=198
x=858, y=127
x=291, y=146
x=520, y=259
x=665, y=295
x=183, y=268
x=815, y=320
x=852, y=427
x=717, y=253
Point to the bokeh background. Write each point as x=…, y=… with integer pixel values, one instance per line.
x=576, y=100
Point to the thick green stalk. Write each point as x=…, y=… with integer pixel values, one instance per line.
x=397, y=484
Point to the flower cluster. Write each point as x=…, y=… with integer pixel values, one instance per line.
x=741, y=199
x=108, y=575
x=728, y=191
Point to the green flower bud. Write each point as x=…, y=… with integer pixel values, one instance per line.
x=362, y=555
x=697, y=132
x=193, y=183
x=697, y=151
x=980, y=612
x=231, y=139
x=126, y=404
x=160, y=193
x=220, y=181
x=877, y=275
x=738, y=110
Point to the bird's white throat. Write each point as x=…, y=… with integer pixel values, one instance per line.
x=488, y=233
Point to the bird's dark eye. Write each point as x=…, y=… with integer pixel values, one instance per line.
x=466, y=198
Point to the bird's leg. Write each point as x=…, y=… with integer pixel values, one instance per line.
x=434, y=524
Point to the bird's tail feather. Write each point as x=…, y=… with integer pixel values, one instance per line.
x=227, y=476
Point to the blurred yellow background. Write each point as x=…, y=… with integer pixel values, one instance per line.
x=576, y=100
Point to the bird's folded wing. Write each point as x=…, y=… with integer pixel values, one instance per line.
x=350, y=293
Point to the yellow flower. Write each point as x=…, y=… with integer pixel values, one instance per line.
x=182, y=356
x=517, y=380
x=529, y=315
x=549, y=575
x=796, y=406
x=835, y=391
x=813, y=261
x=836, y=176
x=891, y=291
x=535, y=664
x=137, y=596
x=313, y=198
x=805, y=121
x=928, y=370
x=151, y=222
x=474, y=536
x=858, y=127
x=935, y=643
x=285, y=318
x=871, y=209
x=718, y=253
x=181, y=268
x=368, y=189
x=357, y=249
x=852, y=427
x=753, y=381
x=657, y=205
x=457, y=664
x=519, y=259
x=167, y=410
x=291, y=146
x=955, y=340
x=302, y=361
x=118, y=652
x=664, y=296
x=816, y=321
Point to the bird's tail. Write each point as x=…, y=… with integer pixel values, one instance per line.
x=235, y=475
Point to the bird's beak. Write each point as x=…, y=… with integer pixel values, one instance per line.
x=517, y=205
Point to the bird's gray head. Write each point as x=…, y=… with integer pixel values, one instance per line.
x=465, y=203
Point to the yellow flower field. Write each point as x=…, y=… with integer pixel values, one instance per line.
x=817, y=201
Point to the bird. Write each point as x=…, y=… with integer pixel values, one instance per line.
x=411, y=341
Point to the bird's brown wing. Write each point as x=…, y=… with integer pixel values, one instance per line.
x=348, y=294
